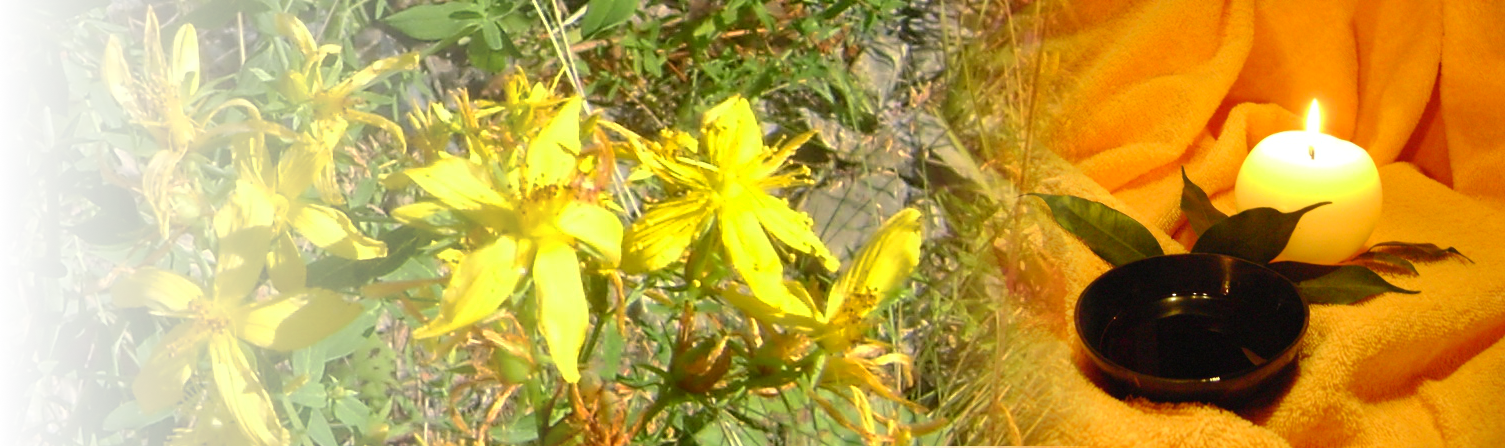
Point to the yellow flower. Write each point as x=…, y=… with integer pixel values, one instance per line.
x=324, y=226
x=880, y=267
x=333, y=106
x=165, y=103
x=725, y=184
x=217, y=322
x=530, y=221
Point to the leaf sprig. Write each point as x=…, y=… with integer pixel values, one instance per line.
x=1257, y=235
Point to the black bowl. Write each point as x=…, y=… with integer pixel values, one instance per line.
x=1191, y=327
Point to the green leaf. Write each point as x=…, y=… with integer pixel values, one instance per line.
x=218, y=15
x=351, y=338
x=1337, y=285
x=1198, y=208
x=11, y=305
x=1110, y=234
x=604, y=14
x=482, y=56
x=433, y=22
x=1256, y=234
x=318, y=429
x=350, y=411
x=1419, y=252
x=1384, y=262
x=129, y=416
x=44, y=62
x=492, y=33
x=337, y=273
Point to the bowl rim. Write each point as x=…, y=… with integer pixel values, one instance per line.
x=1287, y=351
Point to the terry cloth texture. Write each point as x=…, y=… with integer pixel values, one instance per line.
x=1142, y=88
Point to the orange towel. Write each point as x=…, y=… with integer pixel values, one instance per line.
x=1141, y=88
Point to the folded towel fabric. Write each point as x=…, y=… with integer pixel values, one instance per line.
x=1143, y=88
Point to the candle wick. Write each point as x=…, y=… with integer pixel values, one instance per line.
x=1312, y=151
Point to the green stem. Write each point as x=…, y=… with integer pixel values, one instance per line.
x=534, y=390
x=663, y=401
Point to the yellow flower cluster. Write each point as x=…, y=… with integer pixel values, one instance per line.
x=519, y=199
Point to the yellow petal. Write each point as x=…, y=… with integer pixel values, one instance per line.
x=157, y=181
x=564, y=314
x=753, y=257
x=294, y=321
x=776, y=160
x=296, y=169
x=886, y=260
x=332, y=230
x=244, y=226
x=595, y=226
x=212, y=425
x=484, y=279
x=660, y=236
x=185, y=60
x=551, y=155
x=379, y=121
x=290, y=27
x=425, y=215
x=364, y=77
x=458, y=183
x=117, y=76
x=159, y=385
x=746, y=245
x=732, y=135
x=156, y=63
x=790, y=308
x=791, y=227
x=250, y=155
x=163, y=291
x=285, y=265
x=243, y=393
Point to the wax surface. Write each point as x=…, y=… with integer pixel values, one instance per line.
x=1291, y=170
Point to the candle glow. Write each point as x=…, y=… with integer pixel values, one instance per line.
x=1283, y=172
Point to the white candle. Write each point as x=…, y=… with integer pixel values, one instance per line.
x=1293, y=169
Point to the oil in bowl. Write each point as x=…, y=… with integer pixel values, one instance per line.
x=1181, y=336
x=1191, y=327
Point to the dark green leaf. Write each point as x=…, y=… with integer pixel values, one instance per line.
x=60, y=9
x=433, y=22
x=603, y=14
x=482, y=56
x=1198, y=208
x=493, y=35
x=11, y=305
x=338, y=273
x=1256, y=234
x=1384, y=262
x=1337, y=285
x=129, y=416
x=1110, y=234
x=1419, y=252
x=44, y=65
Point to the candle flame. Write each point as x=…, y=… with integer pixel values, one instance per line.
x=1314, y=118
